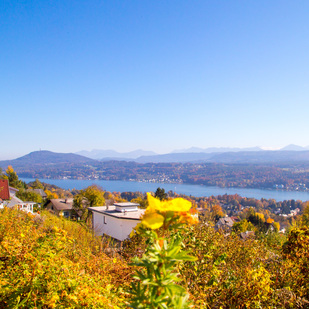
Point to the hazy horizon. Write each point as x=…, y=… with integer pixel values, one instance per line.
x=156, y=153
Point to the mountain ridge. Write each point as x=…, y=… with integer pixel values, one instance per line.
x=46, y=157
x=99, y=154
x=139, y=154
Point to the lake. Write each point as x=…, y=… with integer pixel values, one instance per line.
x=194, y=190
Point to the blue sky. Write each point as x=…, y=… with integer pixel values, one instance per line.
x=153, y=75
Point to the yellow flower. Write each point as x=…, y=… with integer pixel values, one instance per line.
x=155, y=213
x=153, y=220
x=177, y=204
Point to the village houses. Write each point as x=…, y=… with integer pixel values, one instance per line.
x=9, y=199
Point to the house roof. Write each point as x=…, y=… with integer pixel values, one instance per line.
x=111, y=211
x=126, y=204
x=41, y=192
x=62, y=204
x=227, y=221
x=4, y=189
x=245, y=235
x=13, y=191
x=16, y=201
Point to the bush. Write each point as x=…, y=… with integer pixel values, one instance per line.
x=48, y=262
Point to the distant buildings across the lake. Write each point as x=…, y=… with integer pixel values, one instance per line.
x=194, y=190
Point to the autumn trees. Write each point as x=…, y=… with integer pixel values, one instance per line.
x=91, y=196
x=12, y=177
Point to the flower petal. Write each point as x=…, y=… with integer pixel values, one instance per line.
x=153, y=220
x=177, y=204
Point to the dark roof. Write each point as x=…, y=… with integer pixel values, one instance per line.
x=41, y=192
x=62, y=204
x=4, y=189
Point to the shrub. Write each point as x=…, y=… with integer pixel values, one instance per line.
x=48, y=262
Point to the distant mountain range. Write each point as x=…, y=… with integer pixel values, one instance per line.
x=183, y=155
x=216, y=149
x=248, y=157
x=254, y=169
x=98, y=154
x=52, y=161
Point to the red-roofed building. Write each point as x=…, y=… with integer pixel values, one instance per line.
x=4, y=192
x=4, y=189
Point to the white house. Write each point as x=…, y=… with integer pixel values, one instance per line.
x=16, y=202
x=116, y=221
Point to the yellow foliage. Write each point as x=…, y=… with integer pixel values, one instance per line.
x=260, y=215
x=10, y=170
x=51, y=195
x=49, y=262
x=276, y=226
x=270, y=220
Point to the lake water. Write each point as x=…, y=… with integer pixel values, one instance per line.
x=194, y=190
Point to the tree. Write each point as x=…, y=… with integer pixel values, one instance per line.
x=243, y=226
x=305, y=215
x=143, y=203
x=258, y=221
x=94, y=195
x=160, y=194
x=13, y=178
x=29, y=196
x=37, y=184
x=217, y=212
x=51, y=195
x=91, y=196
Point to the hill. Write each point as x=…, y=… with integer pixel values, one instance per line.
x=45, y=157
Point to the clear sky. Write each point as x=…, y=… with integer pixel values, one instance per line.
x=153, y=75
